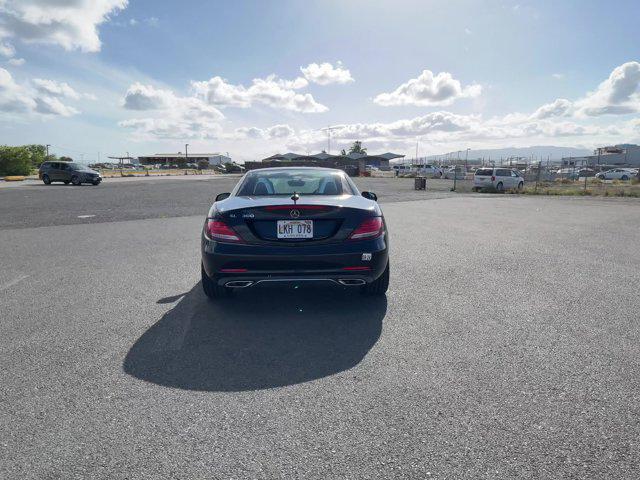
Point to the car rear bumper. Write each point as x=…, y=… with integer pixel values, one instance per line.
x=345, y=263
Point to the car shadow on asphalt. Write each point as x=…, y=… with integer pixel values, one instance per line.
x=258, y=339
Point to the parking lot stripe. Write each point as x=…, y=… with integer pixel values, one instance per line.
x=13, y=282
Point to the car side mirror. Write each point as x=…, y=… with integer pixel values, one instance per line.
x=222, y=196
x=370, y=196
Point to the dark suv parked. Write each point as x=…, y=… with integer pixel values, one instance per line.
x=68, y=172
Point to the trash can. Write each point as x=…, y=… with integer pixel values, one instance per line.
x=420, y=183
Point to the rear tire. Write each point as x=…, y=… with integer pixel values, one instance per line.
x=500, y=187
x=211, y=288
x=96, y=182
x=75, y=180
x=624, y=178
x=46, y=179
x=379, y=286
x=520, y=186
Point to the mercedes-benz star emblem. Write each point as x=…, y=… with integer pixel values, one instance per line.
x=294, y=213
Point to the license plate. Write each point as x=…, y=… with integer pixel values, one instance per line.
x=295, y=228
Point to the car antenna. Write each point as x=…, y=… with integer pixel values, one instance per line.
x=295, y=197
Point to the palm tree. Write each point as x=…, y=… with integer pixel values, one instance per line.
x=357, y=147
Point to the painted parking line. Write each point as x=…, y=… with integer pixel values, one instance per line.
x=13, y=282
x=85, y=216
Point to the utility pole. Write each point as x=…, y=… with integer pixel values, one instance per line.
x=466, y=158
x=48, y=151
x=328, y=140
x=328, y=129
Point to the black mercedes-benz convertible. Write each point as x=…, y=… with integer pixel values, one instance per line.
x=295, y=224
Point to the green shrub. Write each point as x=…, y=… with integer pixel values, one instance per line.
x=15, y=161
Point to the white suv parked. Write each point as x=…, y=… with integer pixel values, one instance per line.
x=499, y=178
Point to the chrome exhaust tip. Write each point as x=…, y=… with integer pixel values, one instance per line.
x=239, y=284
x=351, y=282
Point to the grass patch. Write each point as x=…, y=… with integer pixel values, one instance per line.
x=599, y=191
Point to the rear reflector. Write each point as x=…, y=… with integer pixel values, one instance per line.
x=368, y=229
x=357, y=269
x=218, y=230
x=233, y=270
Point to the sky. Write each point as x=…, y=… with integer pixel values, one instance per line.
x=95, y=78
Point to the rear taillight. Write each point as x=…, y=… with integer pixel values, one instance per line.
x=369, y=228
x=493, y=178
x=218, y=230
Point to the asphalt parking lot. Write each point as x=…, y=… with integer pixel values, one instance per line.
x=508, y=345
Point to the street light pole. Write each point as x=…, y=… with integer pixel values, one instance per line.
x=466, y=158
x=455, y=172
x=48, y=151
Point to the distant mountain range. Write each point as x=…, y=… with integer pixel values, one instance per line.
x=537, y=152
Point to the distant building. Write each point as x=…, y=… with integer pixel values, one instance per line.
x=180, y=159
x=352, y=163
x=625, y=154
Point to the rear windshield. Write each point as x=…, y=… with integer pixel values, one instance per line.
x=287, y=182
x=487, y=172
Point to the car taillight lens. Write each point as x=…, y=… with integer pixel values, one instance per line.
x=218, y=230
x=493, y=179
x=369, y=228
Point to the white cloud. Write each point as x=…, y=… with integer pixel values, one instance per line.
x=53, y=106
x=271, y=133
x=55, y=89
x=617, y=95
x=326, y=74
x=16, y=62
x=446, y=128
x=147, y=97
x=559, y=108
x=71, y=24
x=253, y=133
x=270, y=91
x=428, y=90
x=44, y=98
x=173, y=128
x=217, y=91
x=14, y=98
x=7, y=50
x=280, y=131
x=558, y=76
x=172, y=116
